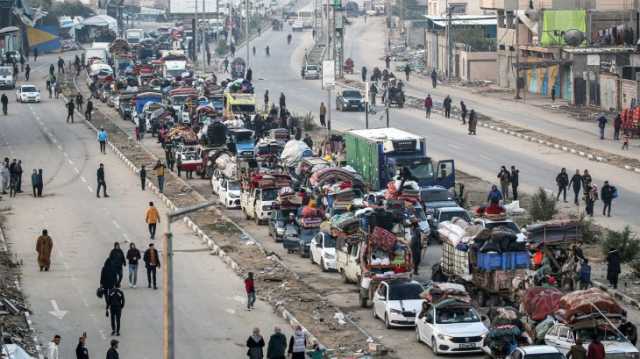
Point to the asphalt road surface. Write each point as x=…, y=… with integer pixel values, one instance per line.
x=210, y=316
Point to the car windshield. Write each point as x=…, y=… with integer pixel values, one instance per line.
x=509, y=225
x=605, y=334
x=175, y=73
x=234, y=186
x=457, y=315
x=405, y=291
x=329, y=242
x=269, y=194
x=307, y=234
x=545, y=356
x=436, y=195
x=312, y=68
x=29, y=89
x=447, y=216
x=422, y=170
x=351, y=94
x=5, y=71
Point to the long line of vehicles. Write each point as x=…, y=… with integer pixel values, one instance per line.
x=362, y=204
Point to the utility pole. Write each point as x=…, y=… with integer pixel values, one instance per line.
x=168, y=329
x=449, y=44
x=518, y=82
x=195, y=31
x=246, y=29
x=204, y=40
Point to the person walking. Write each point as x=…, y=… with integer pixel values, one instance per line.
x=225, y=63
x=5, y=104
x=49, y=87
x=255, y=343
x=79, y=101
x=27, y=72
x=463, y=112
x=428, y=105
x=152, y=263
x=608, y=193
x=434, y=78
x=586, y=180
x=5, y=173
x=102, y=140
x=60, y=65
x=613, y=267
x=584, y=274
x=577, y=350
x=363, y=72
x=266, y=100
x=44, y=247
x=152, y=217
x=602, y=123
x=133, y=256
x=81, y=349
x=108, y=278
x=159, y=170
x=35, y=54
x=118, y=260
x=447, y=106
x=590, y=197
x=70, y=110
x=115, y=303
x=387, y=61
x=88, y=110
x=473, y=122
x=40, y=182
x=34, y=182
x=562, y=181
x=101, y=182
x=576, y=184
x=617, y=124
x=298, y=344
x=595, y=350
x=249, y=286
x=505, y=179
x=416, y=244
x=277, y=345
x=112, y=353
x=407, y=71
x=53, y=349
x=18, y=171
x=143, y=177
x=283, y=101
x=625, y=141
x=323, y=114
x=515, y=181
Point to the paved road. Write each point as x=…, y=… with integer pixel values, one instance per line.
x=210, y=314
x=478, y=155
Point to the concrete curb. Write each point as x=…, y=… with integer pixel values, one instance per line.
x=618, y=295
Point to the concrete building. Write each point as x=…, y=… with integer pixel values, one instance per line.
x=462, y=48
x=458, y=7
x=544, y=47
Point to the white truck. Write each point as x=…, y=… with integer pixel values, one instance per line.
x=96, y=54
x=6, y=77
x=259, y=194
x=174, y=68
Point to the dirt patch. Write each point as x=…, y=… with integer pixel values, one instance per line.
x=14, y=327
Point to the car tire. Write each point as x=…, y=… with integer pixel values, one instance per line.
x=257, y=220
x=323, y=266
x=387, y=325
x=373, y=312
x=344, y=277
x=311, y=258
x=434, y=346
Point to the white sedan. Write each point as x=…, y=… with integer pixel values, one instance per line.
x=323, y=251
x=398, y=303
x=27, y=93
x=454, y=327
x=229, y=193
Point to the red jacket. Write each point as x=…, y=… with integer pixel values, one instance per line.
x=428, y=103
x=595, y=351
x=248, y=285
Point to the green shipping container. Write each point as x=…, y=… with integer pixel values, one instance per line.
x=364, y=156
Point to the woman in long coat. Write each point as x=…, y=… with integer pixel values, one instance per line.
x=44, y=246
x=255, y=343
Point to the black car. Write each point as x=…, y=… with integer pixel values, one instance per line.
x=304, y=240
x=350, y=100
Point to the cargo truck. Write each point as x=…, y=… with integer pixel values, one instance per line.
x=379, y=154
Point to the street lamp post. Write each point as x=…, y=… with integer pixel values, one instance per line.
x=168, y=343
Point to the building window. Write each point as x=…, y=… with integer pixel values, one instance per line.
x=458, y=8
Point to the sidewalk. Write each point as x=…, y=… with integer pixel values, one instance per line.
x=534, y=113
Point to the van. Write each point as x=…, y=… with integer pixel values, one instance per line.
x=6, y=77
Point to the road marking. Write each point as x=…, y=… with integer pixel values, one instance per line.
x=83, y=179
x=66, y=154
x=486, y=157
x=76, y=169
x=90, y=189
x=115, y=224
x=56, y=312
x=60, y=147
x=454, y=146
x=103, y=335
x=70, y=162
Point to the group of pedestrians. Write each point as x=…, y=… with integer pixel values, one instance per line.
x=509, y=180
x=11, y=177
x=583, y=182
x=82, y=351
x=472, y=122
x=277, y=347
x=617, y=127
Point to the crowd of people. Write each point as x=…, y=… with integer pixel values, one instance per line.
x=11, y=178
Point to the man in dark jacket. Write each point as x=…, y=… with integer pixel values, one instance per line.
x=70, y=109
x=5, y=103
x=81, y=350
x=613, y=267
x=602, y=123
x=152, y=262
x=88, y=109
x=576, y=184
x=515, y=181
x=617, y=124
x=562, y=180
x=283, y=101
x=416, y=244
x=112, y=353
x=607, y=193
x=108, y=277
x=277, y=345
x=101, y=182
x=115, y=303
x=117, y=260
x=447, y=106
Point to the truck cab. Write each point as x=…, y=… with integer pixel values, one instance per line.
x=257, y=203
x=348, y=261
x=6, y=77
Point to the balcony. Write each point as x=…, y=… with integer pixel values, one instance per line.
x=503, y=4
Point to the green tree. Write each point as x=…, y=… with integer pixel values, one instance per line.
x=543, y=206
x=625, y=242
x=67, y=8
